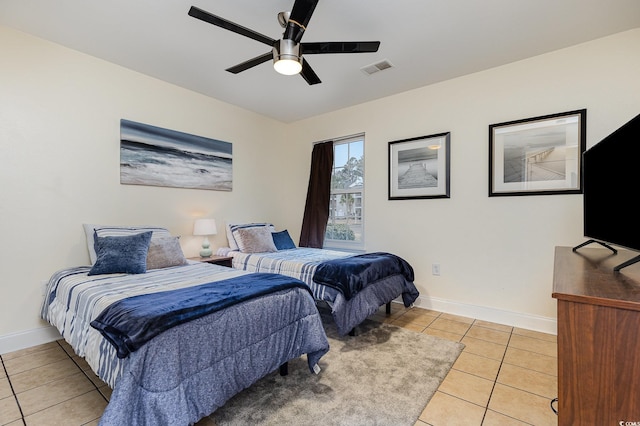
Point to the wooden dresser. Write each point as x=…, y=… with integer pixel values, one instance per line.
x=598, y=337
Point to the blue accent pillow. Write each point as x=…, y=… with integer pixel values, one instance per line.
x=126, y=254
x=283, y=240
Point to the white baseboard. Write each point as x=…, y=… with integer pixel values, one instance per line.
x=27, y=339
x=38, y=336
x=514, y=319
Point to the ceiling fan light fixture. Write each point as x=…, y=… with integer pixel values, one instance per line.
x=287, y=52
x=288, y=66
x=286, y=57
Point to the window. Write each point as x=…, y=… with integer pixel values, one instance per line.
x=345, y=227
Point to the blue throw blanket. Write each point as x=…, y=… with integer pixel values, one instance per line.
x=130, y=323
x=351, y=274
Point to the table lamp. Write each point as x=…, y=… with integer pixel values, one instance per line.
x=205, y=227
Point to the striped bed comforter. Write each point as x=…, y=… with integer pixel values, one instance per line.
x=74, y=299
x=300, y=263
x=187, y=371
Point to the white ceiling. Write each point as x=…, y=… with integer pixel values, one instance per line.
x=426, y=40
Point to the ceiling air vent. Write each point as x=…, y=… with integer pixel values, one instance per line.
x=378, y=66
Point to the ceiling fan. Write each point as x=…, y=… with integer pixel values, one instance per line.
x=287, y=52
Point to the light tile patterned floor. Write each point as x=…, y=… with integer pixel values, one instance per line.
x=504, y=376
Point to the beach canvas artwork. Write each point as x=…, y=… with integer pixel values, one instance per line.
x=154, y=156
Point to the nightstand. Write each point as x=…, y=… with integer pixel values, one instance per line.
x=216, y=260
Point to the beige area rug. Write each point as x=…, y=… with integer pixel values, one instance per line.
x=385, y=375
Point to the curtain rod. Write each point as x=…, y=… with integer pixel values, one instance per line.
x=340, y=138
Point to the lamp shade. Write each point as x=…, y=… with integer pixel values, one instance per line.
x=205, y=227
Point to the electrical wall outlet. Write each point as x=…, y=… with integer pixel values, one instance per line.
x=435, y=269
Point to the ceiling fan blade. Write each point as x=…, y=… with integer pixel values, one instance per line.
x=340, y=47
x=309, y=74
x=299, y=19
x=228, y=25
x=250, y=63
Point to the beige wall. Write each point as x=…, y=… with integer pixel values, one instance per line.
x=59, y=142
x=60, y=114
x=495, y=254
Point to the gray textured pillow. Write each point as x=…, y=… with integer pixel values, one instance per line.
x=165, y=252
x=233, y=244
x=254, y=240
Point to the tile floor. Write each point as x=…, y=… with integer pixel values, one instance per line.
x=504, y=376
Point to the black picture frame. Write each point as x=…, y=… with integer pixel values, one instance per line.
x=538, y=156
x=419, y=167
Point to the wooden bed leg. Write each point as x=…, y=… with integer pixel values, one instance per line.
x=284, y=369
x=389, y=308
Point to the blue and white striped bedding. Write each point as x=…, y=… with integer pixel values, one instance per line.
x=189, y=370
x=75, y=299
x=300, y=263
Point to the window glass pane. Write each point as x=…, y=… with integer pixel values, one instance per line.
x=348, y=174
x=340, y=154
x=345, y=227
x=356, y=149
x=345, y=220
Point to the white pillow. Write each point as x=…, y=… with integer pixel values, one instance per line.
x=254, y=240
x=233, y=244
x=118, y=231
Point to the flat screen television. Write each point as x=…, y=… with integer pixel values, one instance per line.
x=611, y=184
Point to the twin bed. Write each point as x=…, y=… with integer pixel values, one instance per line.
x=176, y=339
x=354, y=285
x=168, y=369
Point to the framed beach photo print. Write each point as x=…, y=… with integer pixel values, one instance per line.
x=537, y=156
x=419, y=167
